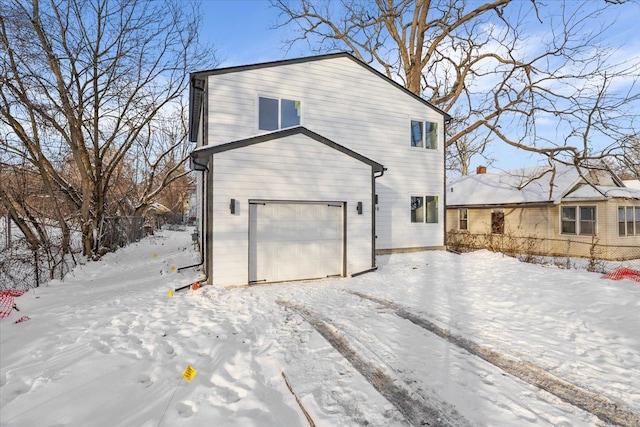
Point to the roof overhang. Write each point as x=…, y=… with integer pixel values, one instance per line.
x=201, y=155
x=202, y=75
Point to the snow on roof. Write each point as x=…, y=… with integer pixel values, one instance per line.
x=603, y=192
x=632, y=183
x=528, y=185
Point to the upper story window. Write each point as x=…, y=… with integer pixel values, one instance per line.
x=628, y=221
x=424, y=134
x=424, y=209
x=274, y=113
x=578, y=220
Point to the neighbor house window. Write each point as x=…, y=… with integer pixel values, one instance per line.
x=424, y=209
x=578, y=220
x=463, y=219
x=628, y=221
x=497, y=222
x=424, y=134
x=276, y=113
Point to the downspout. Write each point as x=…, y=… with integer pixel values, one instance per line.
x=446, y=120
x=203, y=168
x=373, y=222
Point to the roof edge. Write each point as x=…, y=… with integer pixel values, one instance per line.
x=237, y=68
x=206, y=150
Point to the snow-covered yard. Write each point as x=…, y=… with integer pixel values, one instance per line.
x=416, y=342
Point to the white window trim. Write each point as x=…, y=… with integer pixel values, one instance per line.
x=635, y=221
x=460, y=219
x=279, y=98
x=578, y=231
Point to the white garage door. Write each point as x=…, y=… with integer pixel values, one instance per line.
x=293, y=241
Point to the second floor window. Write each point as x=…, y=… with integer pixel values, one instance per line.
x=424, y=134
x=274, y=113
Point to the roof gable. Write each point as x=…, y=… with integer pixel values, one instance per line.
x=205, y=151
x=197, y=86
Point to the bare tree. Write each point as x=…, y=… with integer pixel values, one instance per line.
x=625, y=159
x=82, y=83
x=536, y=76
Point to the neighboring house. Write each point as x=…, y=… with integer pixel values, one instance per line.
x=311, y=167
x=539, y=211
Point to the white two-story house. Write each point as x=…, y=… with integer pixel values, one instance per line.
x=310, y=167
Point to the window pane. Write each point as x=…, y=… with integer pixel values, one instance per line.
x=290, y=113
x=630, y=231
x=417, y=209
x=588, y=220
x=637, y=221
x=587, y=228
x=416, y=133
x=568, y=220
x=432, y=209
x=621, y=222
x=432, y=135
x=267, y=114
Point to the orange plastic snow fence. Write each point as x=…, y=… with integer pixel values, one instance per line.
x=623, y=273
x=6, y=301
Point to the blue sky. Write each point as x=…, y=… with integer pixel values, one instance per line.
x=242, y=33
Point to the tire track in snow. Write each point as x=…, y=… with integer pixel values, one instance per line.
x=597, y=404
x=412, y=407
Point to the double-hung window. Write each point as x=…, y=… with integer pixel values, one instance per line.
x=628, y=221
x=424, y=209
x=274, y=113
x=579, y=220
x=463, y=219
x=424, y=134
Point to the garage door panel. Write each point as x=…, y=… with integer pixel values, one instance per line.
x=292, y=241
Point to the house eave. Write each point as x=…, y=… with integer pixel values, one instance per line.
x=204, y=152
x=234, y=69
x=500, y=205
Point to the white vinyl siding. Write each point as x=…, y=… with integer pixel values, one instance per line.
x=353, y=107
x=294, y=168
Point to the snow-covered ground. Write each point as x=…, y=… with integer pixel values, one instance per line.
x=108, y=346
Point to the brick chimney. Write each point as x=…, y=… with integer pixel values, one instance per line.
x=481, y=169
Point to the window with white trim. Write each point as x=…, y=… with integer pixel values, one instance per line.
x=274, y=113
x=578, y=220
x=463, y=219
x=424, y=134
x=628, y=221
x=424, y=209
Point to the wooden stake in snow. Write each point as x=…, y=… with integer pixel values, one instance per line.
x=304, y=411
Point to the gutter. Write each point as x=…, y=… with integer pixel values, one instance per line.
x=206, y=276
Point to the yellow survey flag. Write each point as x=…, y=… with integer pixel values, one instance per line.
x=189, y=373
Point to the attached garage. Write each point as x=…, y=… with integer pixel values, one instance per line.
x=295, y=240
x=287, y=205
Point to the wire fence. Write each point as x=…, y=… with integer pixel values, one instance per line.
x=121, y=231
x=23, y=267
x=591, y=254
